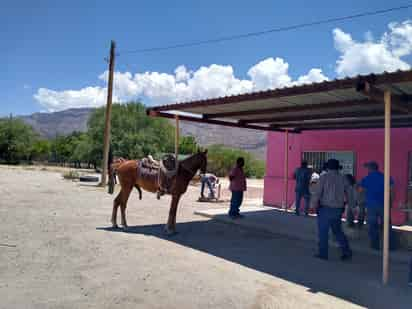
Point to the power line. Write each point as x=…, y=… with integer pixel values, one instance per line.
x=264, y=32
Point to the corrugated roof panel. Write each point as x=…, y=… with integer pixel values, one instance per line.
x=405, y=87
x=299, y=98
x=320, y=112
x=241, y=106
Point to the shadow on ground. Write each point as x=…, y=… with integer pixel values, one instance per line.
x=290, y=259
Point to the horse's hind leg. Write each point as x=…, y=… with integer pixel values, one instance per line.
x=139, y=190
x=116, y=204
x=125, y=193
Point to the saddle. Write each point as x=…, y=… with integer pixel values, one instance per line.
x=161, y=172
x=150, y=163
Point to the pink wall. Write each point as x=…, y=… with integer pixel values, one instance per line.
x=367, y=144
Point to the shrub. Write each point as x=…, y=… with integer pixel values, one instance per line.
x=221, y=160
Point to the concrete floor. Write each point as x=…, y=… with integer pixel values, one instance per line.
x=57, y=250
x=287, y=224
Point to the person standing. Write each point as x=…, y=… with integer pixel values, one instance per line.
x=350, y=209
x=237, y=187
x=361, y=202
x=374, y=186
x=302, y=175
x=329, y=198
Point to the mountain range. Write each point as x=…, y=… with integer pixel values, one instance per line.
x=49, y=125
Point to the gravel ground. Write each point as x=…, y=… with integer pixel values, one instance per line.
x=57, y=250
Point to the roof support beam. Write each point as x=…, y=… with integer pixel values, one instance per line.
x=354, y=126
x=365, y=120
x=399, y=102
x=335, y=115
x=152, y=113
x=324, y=107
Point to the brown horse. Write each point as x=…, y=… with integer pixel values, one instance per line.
x=129, y=177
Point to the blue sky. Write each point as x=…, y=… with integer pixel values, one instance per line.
x=60, y=46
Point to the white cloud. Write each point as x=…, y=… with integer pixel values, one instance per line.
x=184, y=85
x=206, y=82
x=399, y=39
x=219, y=80
x=313, y=76
x=59, y=100
x=182, y=74
x=374, y=56
x=270, y=73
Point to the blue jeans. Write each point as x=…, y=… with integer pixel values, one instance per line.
x=331, y=218
x=306, y=196
x=375, y=221
x=235, y=202
x=209, y=184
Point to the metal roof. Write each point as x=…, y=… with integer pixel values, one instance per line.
x=339, y=104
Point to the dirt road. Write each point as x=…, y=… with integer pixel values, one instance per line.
x=58, y=251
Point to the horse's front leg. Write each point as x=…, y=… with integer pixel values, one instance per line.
x=170, y=228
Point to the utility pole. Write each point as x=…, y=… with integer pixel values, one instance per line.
x=106, y=143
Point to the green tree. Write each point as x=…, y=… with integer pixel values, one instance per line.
x=221, y=160
x=41, y=150
x=133, y=133
x=16, y=140
x=81, y=149
x=187, y=145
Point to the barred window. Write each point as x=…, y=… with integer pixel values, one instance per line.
x=316, y=160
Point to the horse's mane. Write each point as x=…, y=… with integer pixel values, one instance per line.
x=189, y=161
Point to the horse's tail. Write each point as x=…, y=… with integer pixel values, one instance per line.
x=110, y=189
x=113, y=166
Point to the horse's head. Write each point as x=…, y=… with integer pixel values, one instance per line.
x=196, y=162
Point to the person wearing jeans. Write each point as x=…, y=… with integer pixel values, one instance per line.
x=329, y=199
x=374, y=185
x=209, y=180
x=302, y=175
x=237, y=187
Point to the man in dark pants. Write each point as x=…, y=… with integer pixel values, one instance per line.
x=237, y=186
x=329, y=197
x=374, y=187
x=302, y=176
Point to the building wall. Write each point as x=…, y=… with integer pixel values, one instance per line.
x=367, y=144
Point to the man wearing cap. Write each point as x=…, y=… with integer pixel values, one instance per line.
x=374, y=186
x=329, y=198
